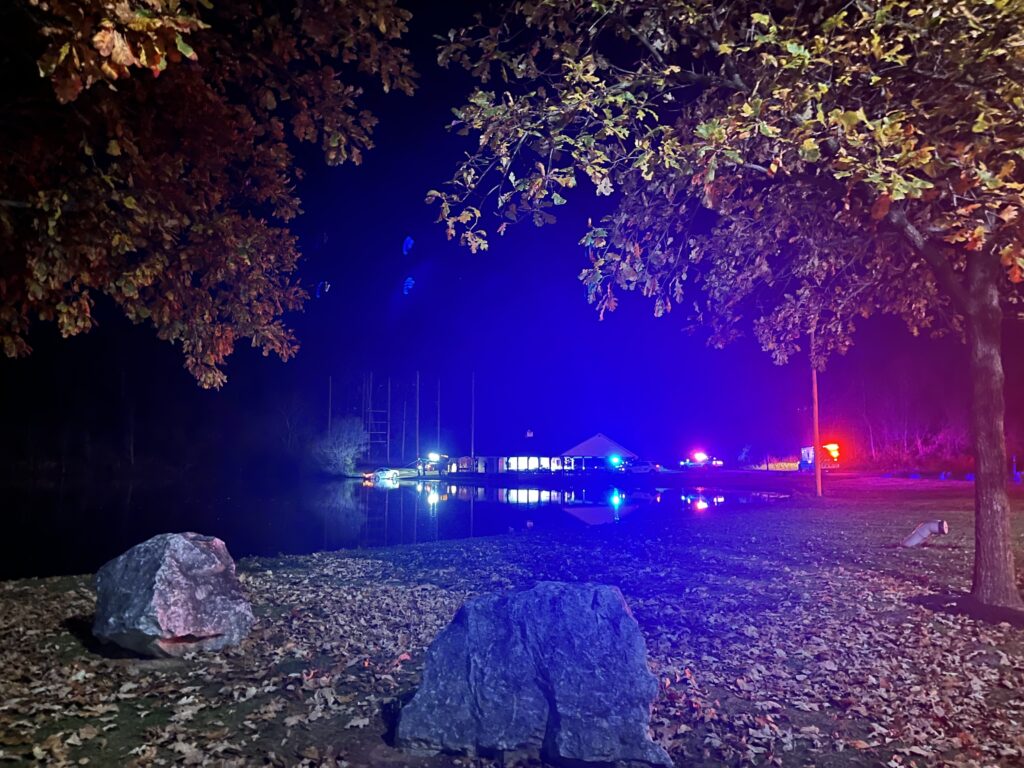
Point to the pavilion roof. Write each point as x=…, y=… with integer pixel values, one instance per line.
x=600, y=446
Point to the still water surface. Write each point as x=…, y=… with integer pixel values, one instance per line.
x=76, y=532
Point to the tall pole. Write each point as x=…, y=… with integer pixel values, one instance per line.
x=368, y=418
x=814, y=418
x=438, y=414
x=417, y=415
x=387, y=444
x=405, y=421
x=472, y=417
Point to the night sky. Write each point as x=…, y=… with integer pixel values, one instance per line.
x=516, y=316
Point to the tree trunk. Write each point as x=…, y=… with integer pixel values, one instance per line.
x=994, y=572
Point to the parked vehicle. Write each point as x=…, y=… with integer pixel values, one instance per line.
x=383, y=477
x=701, y=459
x=643, y=467
x=829, y=457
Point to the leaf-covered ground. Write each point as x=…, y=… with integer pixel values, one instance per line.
x=793, y=633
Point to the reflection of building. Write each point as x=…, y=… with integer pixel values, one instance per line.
x=595, y=453
x=531, y=496
x=604, y=508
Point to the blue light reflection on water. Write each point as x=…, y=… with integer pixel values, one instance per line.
x=77, y=534
x=437, y=509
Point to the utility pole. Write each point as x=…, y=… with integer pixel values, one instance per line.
x=387, y=444
x=438, y=414
x=472, y=418
x=405, y=421
x=814, y=419
x=417, y=415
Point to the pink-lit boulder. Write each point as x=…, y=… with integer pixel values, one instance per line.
x=170, y=595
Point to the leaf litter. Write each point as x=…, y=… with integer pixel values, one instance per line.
x=787, y=634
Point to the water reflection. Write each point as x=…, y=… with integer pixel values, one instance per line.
x=342, y=512
x=376, y=513
x=700, y=501
x=338, y=515
x=469, y=510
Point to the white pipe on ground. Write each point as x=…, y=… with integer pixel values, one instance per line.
x=924, y=530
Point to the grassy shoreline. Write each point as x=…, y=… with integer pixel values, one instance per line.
x=792, y=633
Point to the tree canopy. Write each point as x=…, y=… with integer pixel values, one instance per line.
x=795, y=164
x=150, y=158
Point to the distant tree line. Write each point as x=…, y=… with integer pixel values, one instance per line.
x=143, y=439
x=902, y=415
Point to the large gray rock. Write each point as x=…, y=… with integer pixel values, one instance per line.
x=559, y=668
x=172, y=594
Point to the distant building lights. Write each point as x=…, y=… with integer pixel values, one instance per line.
x=615, y=460
x=700, y=457
x=700, y=505
x=433, y=456
x=833, y=450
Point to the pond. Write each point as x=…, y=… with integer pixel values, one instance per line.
x=76, y=532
